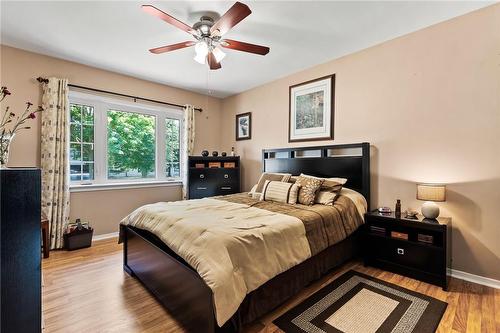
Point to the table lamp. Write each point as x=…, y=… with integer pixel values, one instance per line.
x=431, y=193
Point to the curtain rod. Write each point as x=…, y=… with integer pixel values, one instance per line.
x=44, y=80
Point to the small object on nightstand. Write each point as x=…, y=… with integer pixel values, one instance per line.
x=431, y=193
x=400, y=235
x=429, y=239
x=223, y=154
x=411, y=213
x=232, y=152
x=204, y=153
x=397, y=211
x=384, y=210
x=215, y=153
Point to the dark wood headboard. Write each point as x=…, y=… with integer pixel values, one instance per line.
x=351, y=161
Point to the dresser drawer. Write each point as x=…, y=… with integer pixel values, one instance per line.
x=227, y=175
x=200, y=191
x=422, y=257
x=228, y=189
x=202, y=184
x=228, y=181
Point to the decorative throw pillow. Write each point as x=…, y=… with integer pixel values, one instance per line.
x=326, y=197
x=280, y=177
x=333, y=184
x=309, y=186
x=280, y=192
x=330, y=184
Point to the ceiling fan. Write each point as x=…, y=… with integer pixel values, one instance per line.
x=208, y=35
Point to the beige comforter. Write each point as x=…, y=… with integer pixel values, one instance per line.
x=237, y=243
x=234, y=247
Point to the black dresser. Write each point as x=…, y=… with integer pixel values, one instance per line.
x=20, y=245
x=209, y=176
x=418, y=248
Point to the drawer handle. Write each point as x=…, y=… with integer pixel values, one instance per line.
x=226, y=176
x=401, y=251
x=202, y=176
x=201, y=188
x=225, y=187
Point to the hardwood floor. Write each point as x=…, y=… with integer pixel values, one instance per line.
x=87, y=291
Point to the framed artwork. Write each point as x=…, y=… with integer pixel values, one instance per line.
x=244, y=126
x=311, y=110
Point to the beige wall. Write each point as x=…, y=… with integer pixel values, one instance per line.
x=104, y=209
x=429, y=103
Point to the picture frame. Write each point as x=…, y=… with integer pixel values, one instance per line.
x=311, y=110
x=244, y=126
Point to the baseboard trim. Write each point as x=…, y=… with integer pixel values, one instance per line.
x=105, y=236
x=475, y=278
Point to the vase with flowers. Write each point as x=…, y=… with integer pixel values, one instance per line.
x=10, y=124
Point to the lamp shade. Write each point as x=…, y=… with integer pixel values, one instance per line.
x=431, y=192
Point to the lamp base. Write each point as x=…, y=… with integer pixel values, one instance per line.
x=430, y=210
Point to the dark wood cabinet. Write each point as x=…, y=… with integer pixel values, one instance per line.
x=418, y=248
x=210, y=176
x=20, y=245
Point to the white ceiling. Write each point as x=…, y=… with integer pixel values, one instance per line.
x=115, y=35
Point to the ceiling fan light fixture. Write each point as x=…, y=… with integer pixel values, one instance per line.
x=218, y=54
x=205, y=29
x=201, y=59
x=201, y=49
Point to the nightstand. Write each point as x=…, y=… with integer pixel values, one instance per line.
x=418, y=248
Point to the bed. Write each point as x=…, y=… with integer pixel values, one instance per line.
x=182, y=290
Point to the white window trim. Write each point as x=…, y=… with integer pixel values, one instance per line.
x=123, y=186
x=101, y=105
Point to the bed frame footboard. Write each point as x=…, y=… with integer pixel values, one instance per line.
x=178, y=287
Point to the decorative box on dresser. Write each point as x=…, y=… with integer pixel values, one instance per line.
x=210, y=176
x=20, y=243
x=418, y=248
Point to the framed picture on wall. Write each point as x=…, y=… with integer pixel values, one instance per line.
x=244, y=126
x=311, y=110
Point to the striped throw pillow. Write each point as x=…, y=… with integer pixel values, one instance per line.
x=283, y=177
x=280, y=192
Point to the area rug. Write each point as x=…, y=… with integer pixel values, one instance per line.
x=358, y=303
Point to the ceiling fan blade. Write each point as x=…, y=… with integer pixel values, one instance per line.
x=212, y=62
x=245, y=47
x=232, y=17
x=168, y=48
x=167, y=18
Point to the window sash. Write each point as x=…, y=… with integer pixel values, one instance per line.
x=101, y=107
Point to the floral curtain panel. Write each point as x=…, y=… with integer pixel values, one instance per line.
x=188, y=145
x=54, y=158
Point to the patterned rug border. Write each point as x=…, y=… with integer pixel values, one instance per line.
x=428, y=322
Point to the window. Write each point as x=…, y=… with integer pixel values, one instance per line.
x=81, y=146
x=116, y=142
x=172, y=147
x=131, y=145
